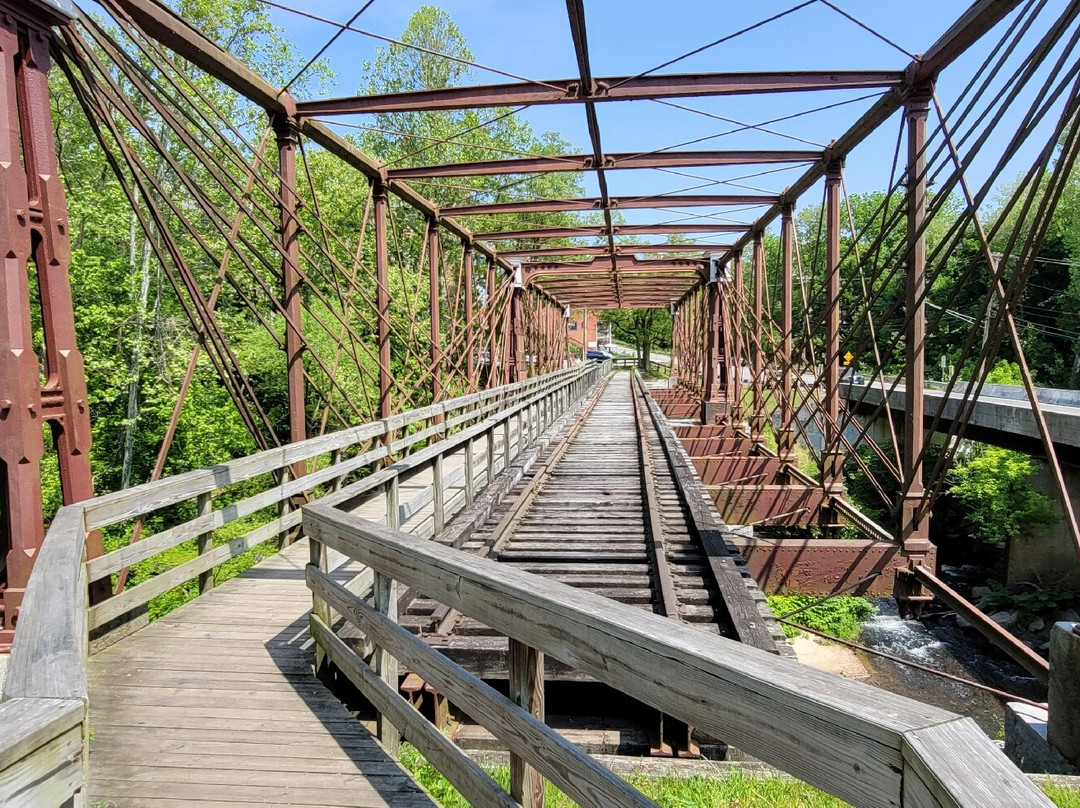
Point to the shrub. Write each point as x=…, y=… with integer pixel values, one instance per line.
x=1000, y=502
x=838, y=617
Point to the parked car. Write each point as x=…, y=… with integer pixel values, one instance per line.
x=599, y=356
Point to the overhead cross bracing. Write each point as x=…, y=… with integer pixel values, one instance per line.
x=588, y=90
x=372, y=299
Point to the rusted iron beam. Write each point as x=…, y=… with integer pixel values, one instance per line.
x=34, y=232
x=382, y=296
x=982, y=623
x=516, y=364
x=620, y=249
x=612, y=88
x=601, y=231
x=588, y=162
x=615, y=203
x=164, y=25
x=914, y=525
x=736, y=309
x=434, y=248
x=472, y=383
x=785, y=436
x=757, y=358
x=832, y=457
x=575, y=10
x=622, y=262
x=287, y=134
x=972, y=25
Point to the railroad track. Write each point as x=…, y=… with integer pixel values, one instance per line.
x=600, y=510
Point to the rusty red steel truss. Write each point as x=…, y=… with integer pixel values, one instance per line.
x=398, y=303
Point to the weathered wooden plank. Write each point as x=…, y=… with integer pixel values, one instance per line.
x=48, y=776
x=351, y=495
x=393, y=795
x=31, y=723
x=560, y=761
x=835, y=733
x=112, y=508
x=466, y=776
x=48, y=657
x=956, y=765
x=129, y=599
x=170, y=537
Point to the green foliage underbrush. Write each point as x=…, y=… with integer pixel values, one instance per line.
x=838, y=617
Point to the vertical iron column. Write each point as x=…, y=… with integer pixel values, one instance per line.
x=914, y=527
x=673, y=367
x=470, y=326
x=34, y=229
x=287, y=132
x=710, y=381
x=785, y=438
x=832, y=459
x=492, y=379
x=757, y=384
x=715, y=360
x=737, y=325
x=21, y=448
x=435, y=332
x=382, y=298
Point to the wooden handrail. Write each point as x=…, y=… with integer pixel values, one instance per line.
x=473, y=416
x=43, y=750
x=116, y=507
x=44, y=705
x=865, y=745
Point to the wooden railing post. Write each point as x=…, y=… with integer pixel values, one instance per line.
x=205, y=542
x=470, y=473
x=385, y=665
x=385, y=601
x=506, y=443
x=438, y=495
x=526, y=674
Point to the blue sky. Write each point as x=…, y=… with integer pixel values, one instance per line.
x=532, y=39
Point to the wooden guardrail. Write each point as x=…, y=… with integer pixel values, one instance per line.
x=655, y=368
x=44, y=707
x=341, y=463
x=865, y=745
x=43, y=748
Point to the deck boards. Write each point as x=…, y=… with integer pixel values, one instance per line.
x=215, y=704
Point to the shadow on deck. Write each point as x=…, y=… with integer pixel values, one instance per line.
x=216, y=703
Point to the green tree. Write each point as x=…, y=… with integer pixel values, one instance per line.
x=995, y=487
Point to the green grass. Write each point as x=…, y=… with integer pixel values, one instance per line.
x=838, y=617
x=1061, y=796
x=737, y=789
x=734, y=789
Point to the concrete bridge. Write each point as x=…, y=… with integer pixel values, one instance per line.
x=1001, y=415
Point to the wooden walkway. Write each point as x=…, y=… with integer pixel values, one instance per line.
x=216, y=704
